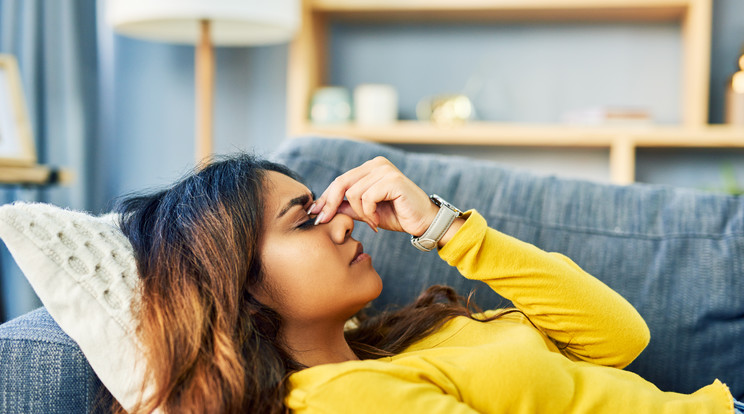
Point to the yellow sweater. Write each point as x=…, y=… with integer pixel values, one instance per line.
x=506, y=365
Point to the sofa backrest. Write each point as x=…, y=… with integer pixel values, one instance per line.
x=674, y=253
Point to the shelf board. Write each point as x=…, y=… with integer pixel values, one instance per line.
x=542, y=135
x=34, y=175
x=638, y=10
x=710, y=136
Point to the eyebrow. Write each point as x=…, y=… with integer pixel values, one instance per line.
x=297, y=201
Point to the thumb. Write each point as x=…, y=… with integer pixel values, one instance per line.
x=345, y=208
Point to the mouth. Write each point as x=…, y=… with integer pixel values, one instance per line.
x=359, y=254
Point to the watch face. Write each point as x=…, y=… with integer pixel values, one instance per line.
x=440, y=202
x=436, y=200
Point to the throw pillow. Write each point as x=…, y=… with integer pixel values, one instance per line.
x=82, y=268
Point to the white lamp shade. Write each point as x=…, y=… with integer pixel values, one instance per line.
x=233, y=22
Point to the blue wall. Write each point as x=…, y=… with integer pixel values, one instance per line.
x=148, y=105
x=515, y=72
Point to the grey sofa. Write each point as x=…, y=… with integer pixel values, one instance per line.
x=675, y=254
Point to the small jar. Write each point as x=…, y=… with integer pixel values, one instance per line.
x=375, y=104
x=330, y=105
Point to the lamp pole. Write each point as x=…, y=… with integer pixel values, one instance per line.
x=204, y=78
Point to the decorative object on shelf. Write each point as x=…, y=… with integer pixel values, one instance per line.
x=310, y=55
x=204, y=23
x=375, y=104
x=330, y=105
x=609, y=115
x=446, y=110
x=735, y=96
x=17, y=147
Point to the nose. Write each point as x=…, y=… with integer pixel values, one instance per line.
x=340, y=227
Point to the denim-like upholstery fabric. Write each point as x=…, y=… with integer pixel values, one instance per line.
x=675, y=254
x=43, y=371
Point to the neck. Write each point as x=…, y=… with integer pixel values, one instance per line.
x=316, y=344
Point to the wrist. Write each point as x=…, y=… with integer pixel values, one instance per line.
x=430, y=215
x=450, y=232
x=439, y=226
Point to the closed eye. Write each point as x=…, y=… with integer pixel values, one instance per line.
x=309, y=223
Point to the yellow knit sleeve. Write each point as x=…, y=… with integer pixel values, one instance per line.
x=576, y=310
x=374, y=391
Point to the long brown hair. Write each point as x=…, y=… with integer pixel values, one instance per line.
x=211, y=346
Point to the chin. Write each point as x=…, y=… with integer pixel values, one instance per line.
x=373, y=286
x=379, y=287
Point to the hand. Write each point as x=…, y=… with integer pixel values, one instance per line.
x=379, y=194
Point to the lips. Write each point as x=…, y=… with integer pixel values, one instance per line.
x=357, y=253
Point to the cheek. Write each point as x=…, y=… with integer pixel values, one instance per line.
x=292, y=261
x=298, y=272
x=312, y=281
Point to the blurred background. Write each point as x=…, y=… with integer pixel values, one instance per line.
x=119, y=112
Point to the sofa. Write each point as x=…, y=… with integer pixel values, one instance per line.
x=674, y=253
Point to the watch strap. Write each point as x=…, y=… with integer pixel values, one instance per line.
x=438, y=227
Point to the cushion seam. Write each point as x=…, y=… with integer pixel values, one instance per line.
x=68, y=345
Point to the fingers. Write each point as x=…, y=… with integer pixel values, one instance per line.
x=353, y=185
x=346, y=209
x=377, y=193
x=325, y=206
x=363, y=200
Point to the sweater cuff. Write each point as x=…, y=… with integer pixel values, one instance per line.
x=469, y=234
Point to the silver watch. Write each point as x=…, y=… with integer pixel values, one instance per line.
x=442, y=222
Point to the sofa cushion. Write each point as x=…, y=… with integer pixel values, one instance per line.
x=43, y=371
x=675, y=254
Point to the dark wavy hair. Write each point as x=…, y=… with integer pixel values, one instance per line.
x=210, y=345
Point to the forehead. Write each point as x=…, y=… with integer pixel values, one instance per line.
x=280, y=189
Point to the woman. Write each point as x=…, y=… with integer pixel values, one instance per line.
x=248, y=282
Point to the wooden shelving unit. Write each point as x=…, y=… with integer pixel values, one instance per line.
x=307, y=71
x=34, y=175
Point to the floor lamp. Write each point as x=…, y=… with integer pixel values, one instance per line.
x=206, y=23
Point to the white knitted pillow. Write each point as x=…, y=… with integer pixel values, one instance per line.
x=83, y=269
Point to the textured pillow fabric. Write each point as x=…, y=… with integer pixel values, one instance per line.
x=83, y=270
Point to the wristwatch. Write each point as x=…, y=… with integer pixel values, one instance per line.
x=442, y=222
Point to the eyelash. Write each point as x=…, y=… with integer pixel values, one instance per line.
x=306, y=224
